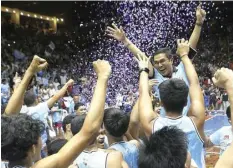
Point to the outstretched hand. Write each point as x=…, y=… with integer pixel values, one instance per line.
x=37, y=64
x=200, y=14
x=143, y=61
x=116, y=33
x=183, y=47
x=223, y=78
x=102, y=68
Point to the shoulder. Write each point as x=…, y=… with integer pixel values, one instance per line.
x=135, y=142
x=113, y=158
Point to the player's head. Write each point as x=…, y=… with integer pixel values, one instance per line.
x=166, y=148
x=116, y=122
x=228, y=111
x=76, y=98
x=29, y=98
x=80, y=108
x=66, y=125
x=173, y=95
x=21, y=139
x=54, y=146
x=77, y=123
x=162, y=61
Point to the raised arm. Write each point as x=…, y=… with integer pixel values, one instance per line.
x=91, y=126
x=197, y=109
x=16, y=101
x=146, y=113
x=200, y=17
x=59, y=94
x=120, y=36
x=224, y=78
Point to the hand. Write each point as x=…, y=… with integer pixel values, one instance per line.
x=70, y=82
x=152, y=82
x=143, y=61
x=183, y=47
x=16, y=79
x=116, y=33
x=200, y=14
x=37, y=64
x=102, y=68
x=223, y=78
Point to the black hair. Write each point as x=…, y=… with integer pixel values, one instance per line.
x=166, y=51
x=77, y=123
x=54, y=146
x=173, y=95
x=228, y=111
x=29, y=98
x=166, y=148
x=18, y=135
x=3, y=80
x=67, y=120
x=116, y=121
x=77, y=105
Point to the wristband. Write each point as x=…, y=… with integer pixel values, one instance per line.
x=144, y=69
x=199, y=24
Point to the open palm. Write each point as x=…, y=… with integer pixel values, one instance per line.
x=116, y=33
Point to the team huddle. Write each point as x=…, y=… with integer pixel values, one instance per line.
x=111, y=138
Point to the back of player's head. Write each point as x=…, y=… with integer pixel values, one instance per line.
x=29, y=98
x=166, y=148
x=116, y=122
x=173, y=95
x=54, y=146
x=67, y=120
x=77, y=123
x=19, y=134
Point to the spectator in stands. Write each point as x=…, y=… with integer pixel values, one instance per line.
x=5, y=91
x=80, y=108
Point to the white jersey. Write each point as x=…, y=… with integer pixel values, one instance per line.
x=186, y=124
x=223, y=137
x=92, y=159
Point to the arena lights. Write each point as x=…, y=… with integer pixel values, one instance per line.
x=62, y=20
x=14, y=11
x=35, y=16
x=57, y=19
x=21, y=13
x=7, y=10
x=28, y=15
x=41, y=17
x=47, y=18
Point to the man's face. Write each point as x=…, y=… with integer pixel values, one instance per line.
x=76, y=99
x=100, y=138
x=163, y=64
x=81, y=110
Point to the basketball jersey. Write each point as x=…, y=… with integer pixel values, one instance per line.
x=92, y=159
x=178, y=73
x=186, y=124
x=129, y=151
